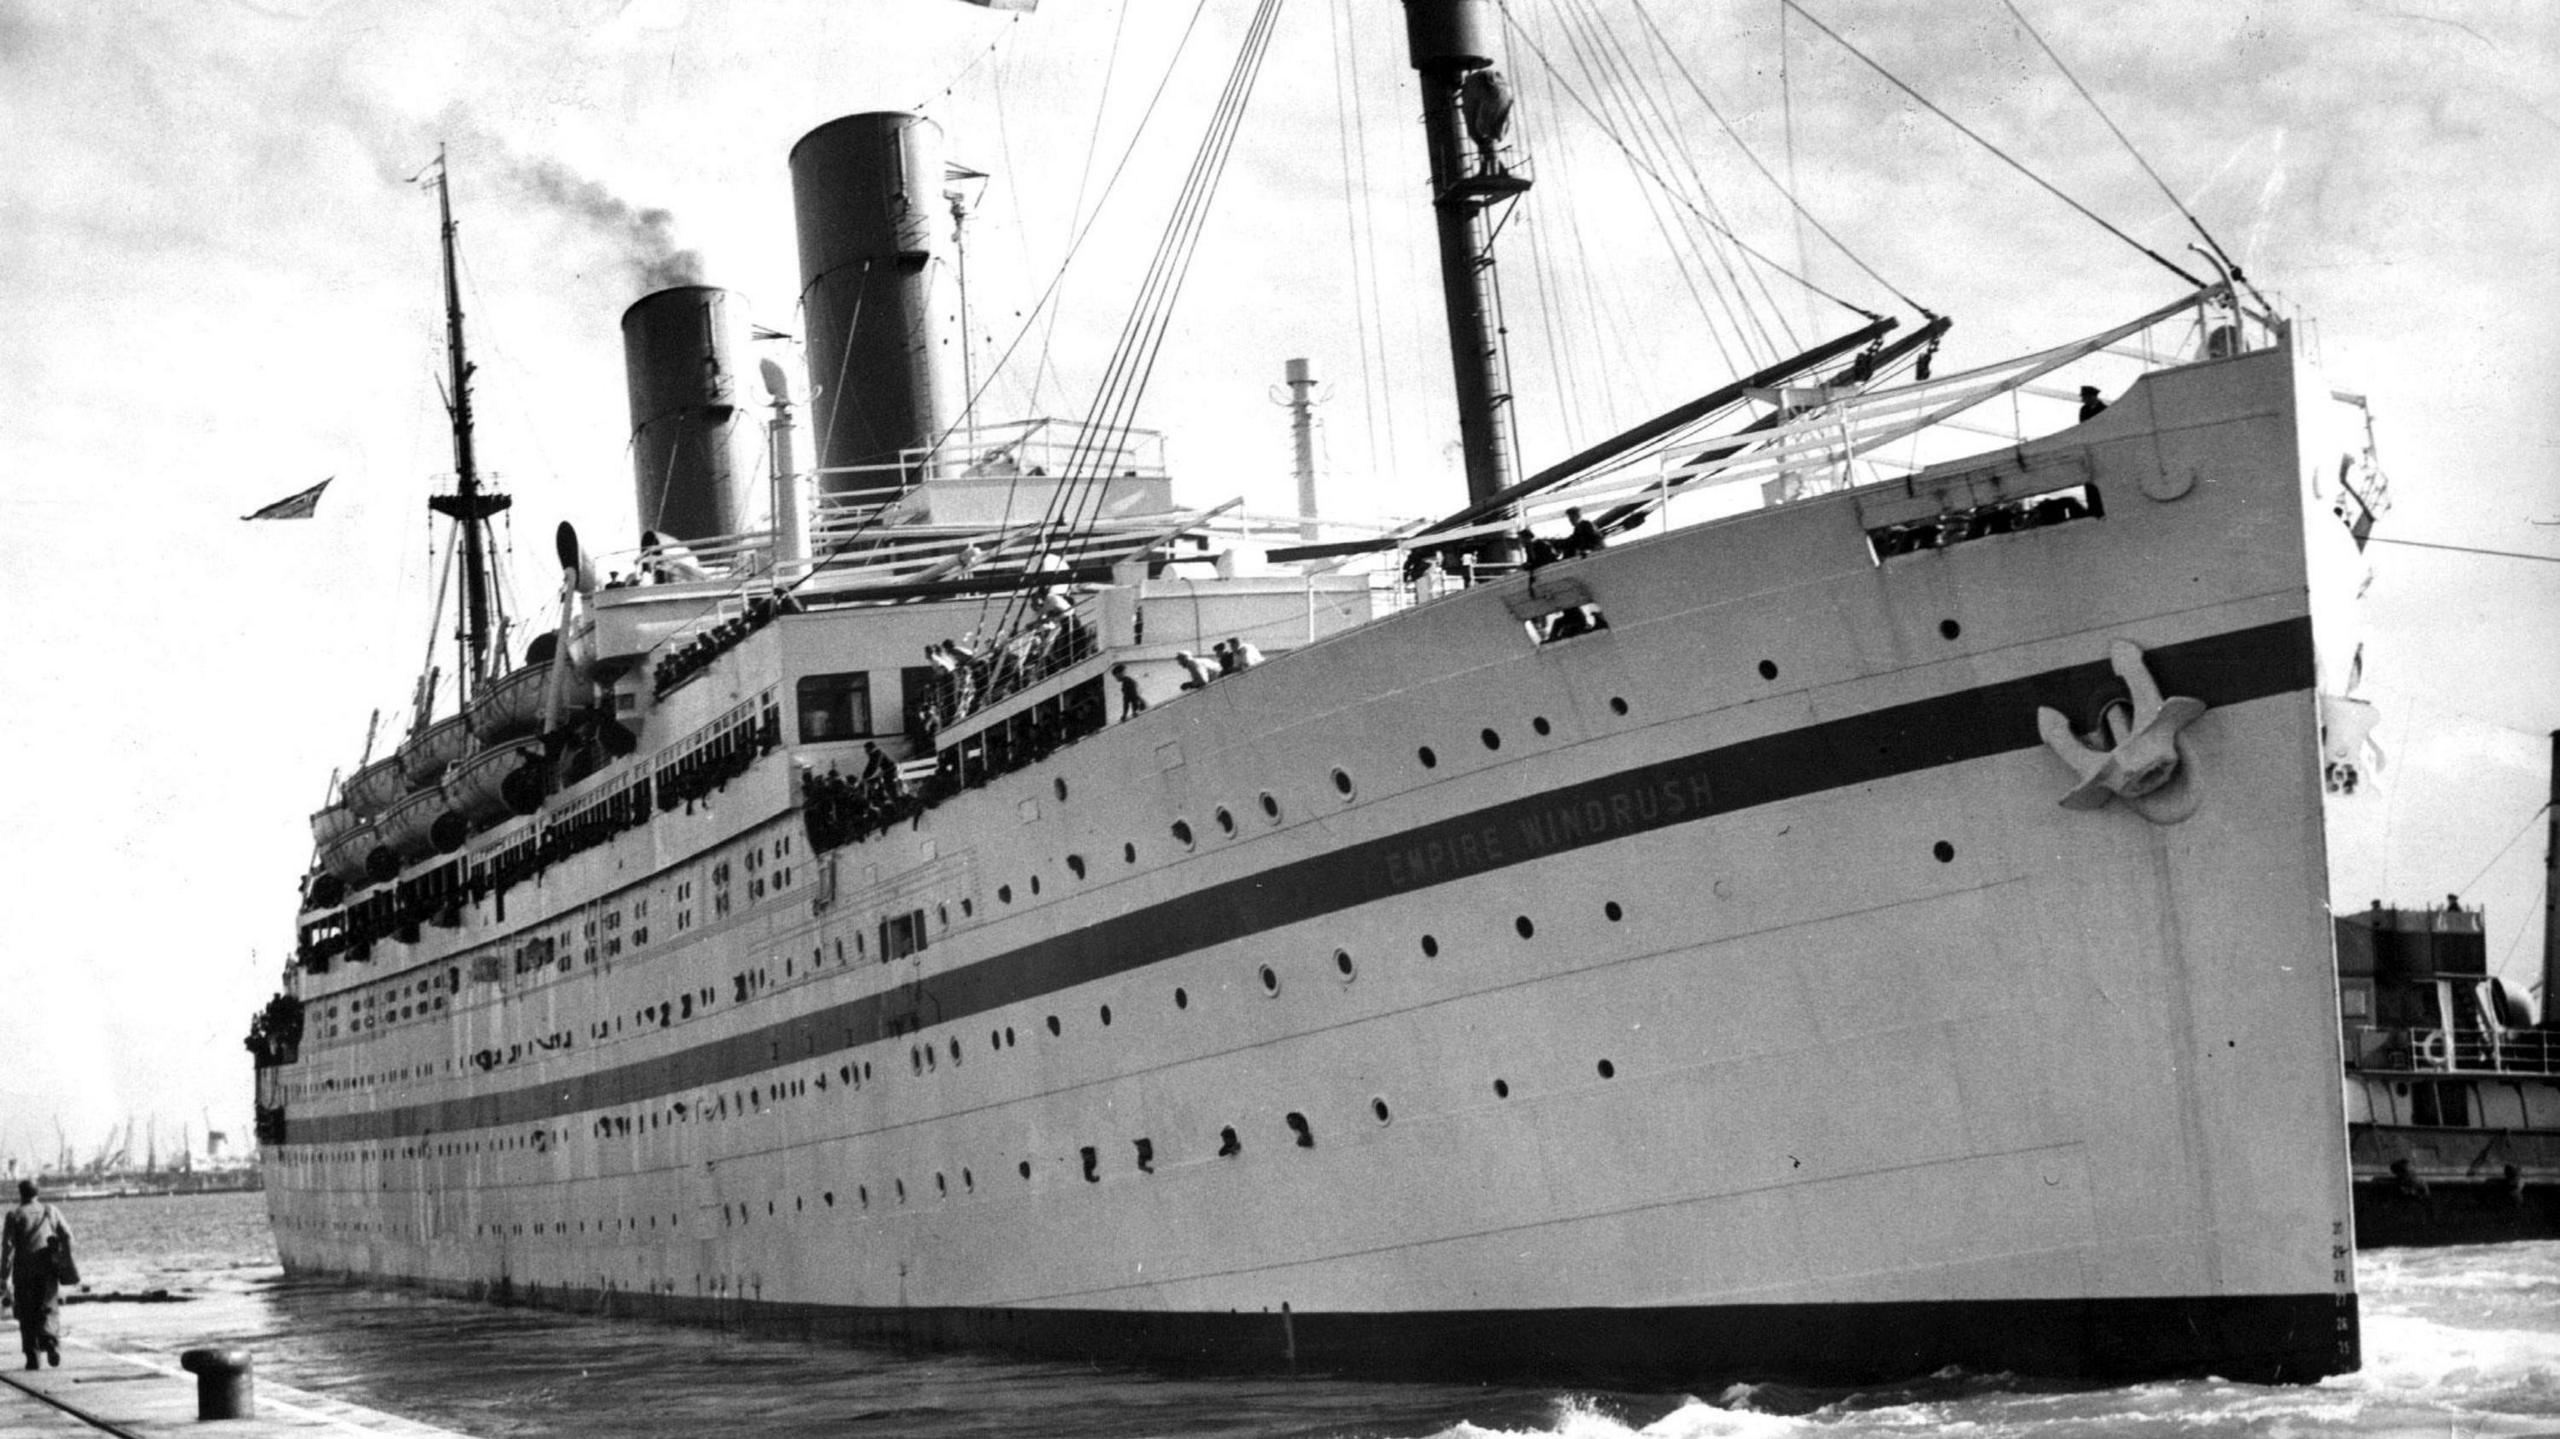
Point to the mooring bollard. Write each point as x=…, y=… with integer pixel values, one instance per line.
x=225, y=1387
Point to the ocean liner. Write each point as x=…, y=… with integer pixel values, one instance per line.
x=1826, y=915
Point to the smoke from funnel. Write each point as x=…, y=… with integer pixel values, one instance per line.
x=645, y=235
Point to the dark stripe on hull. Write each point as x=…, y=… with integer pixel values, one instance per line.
x=2259, y=1339
x=2478, y=1211
x=1996, y=719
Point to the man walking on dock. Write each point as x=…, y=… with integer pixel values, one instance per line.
x=30, y=1237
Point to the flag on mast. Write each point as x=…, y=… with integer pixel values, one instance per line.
x=292, y=507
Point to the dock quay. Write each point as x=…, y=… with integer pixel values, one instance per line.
x=99, y=1390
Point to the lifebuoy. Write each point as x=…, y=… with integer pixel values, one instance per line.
x=2434, y=1052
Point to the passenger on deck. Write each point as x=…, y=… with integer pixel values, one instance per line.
x=1242, y=656
x=2090, y=405
x=1536, y=550
x=1194, y=666
x=1585, y=538
x=1131, y=702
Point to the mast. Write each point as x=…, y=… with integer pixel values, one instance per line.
x=2551, y=896
x=1464, y=98
x=468, y=505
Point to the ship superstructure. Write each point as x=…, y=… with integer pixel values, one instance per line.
x=1878, y=929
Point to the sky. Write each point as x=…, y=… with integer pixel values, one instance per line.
x=221, y=287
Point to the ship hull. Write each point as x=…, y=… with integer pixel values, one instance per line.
x=1723, y=993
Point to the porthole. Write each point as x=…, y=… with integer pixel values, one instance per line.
x=1342, y=964
x=1378, y=1107
x=1181, y=998
x=1608, y=1070
x=1270, y=807
x=1129, y=854
x=1270, y=980
x=1492, y=738
x=1182, y=833
x=1768, y=669
x=1004, y=893
x=1035, y=884
x=1075, y=865
x=941, y=1185
x=1226, y=821
x=1612, y=910
x=1059, y=785
x=1023, y=1169
x=1945, y=852
x=968, y=907
x=1950, y=628
x=1429, y=759
x=1502, y=1089
x=1053, y=1024
x=1617, y=706
x=1106, y=1016
x=1542, y=727
x=1430, y=947
x=1525, y=928
x=1342, y=783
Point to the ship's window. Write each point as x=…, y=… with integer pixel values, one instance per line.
x=1129, y=853
x=1023, y=1169
x=1298, y=1126
x=1226, y=821
x=1502, y=1089
x=1430, y=947
x=1228, y=1145
x=1523, y=925
x=1617, y=705
x=1270, y=980
x=1541, y=726
x=1270, y=807
x=1092, y=1165
x=1378, y=1107
x=1342, y=962
x=1075, y=865
x=834, y=707
x=1608, y=1070
x=1182, y=833
x=1181, y=998
x=1035, y=884
x=1106, y=1016
x=1053, y=1025
x=1342, y=783
x=1429, y=759
x=1492, y=739
x=1949, y=628
x=1059, y=784
x=1945, y=852
x=1146, y=1156
x=1004, y=893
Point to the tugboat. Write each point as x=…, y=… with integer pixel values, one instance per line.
x=2453, y=1078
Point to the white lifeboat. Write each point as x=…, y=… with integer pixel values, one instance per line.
x=347, y=853
x=330, y=823
x=371, y=789
x=497, y=781
x=407, y=829
x=424, y=757
x=511, y=707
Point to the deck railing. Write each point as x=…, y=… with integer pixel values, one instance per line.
x=2455, y=1051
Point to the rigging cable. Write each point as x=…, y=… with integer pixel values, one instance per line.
x=2219, y=253
x=1614, y=93
x=1351, y=227
x=1961, y=128
x=1787, y=107
x=1075, y=213
x=1804, y=216
x=1738, y=242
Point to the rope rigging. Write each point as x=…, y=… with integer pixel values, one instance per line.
x=1656, y=176
x=1961, y=128
x=2229, y=265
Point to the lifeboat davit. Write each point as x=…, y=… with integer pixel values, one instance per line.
x=497, y=781
x=424, y=758
x=370, y=790
x=407, y=829
x=347, y=853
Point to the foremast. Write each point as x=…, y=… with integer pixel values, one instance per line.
x=469, y=506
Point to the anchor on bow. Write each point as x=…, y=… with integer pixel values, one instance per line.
x=2142, y=757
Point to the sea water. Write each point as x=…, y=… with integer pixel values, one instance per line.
x=2457, y=1342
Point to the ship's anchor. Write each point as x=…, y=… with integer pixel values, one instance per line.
x=2144, y=763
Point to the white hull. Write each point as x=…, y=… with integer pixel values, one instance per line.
x=1764, y=978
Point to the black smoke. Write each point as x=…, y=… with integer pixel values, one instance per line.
x=644, y=234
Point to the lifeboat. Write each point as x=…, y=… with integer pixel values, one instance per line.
x=497, y=781
x=330, y=823
x=424, y=757
x=407, y=829
x=371, y=789
x=347, y=853
x=511, y=707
